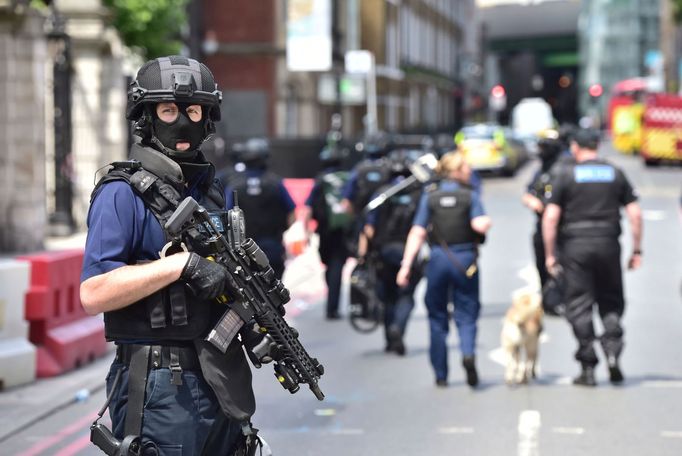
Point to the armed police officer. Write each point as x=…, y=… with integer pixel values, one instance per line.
x=267, y=205
x=584, y=214
x=387, y=229
x=537, y=194
x=334, y=223
x=451, y=215
x=365, y=179
x=168, y=386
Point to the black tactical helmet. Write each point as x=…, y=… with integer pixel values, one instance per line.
x=254, y=150
x=175, y=79
x=374, y=146
x=401, y=159
x=332, y=155
x=171, y=79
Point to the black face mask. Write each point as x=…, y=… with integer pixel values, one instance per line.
x=181, y=129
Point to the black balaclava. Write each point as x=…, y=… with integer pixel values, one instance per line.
x=166, y=135
x=549, y=153
x=181, y=129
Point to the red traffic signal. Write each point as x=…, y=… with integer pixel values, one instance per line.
x=498, y=91
x=596, y=90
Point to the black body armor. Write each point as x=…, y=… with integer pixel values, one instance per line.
x=261, y=201
x=171, y=313
x=450, y=219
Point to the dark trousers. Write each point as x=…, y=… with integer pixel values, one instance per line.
x=333, y=276
x=333, y=253
x=180, y=420
x=539, y=249
x=398, y=302
x=446, y=281
x=594, y=276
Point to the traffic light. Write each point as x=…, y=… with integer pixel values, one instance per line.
x=498, y=91
x=596, y=90
x=497, y=101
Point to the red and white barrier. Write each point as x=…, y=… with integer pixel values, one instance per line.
x=17, y=354
x=66, y=337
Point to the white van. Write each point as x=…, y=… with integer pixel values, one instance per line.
x=531, y=116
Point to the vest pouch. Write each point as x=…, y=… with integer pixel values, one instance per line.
x=178, y=303
x=160, y=317
x=156, y=306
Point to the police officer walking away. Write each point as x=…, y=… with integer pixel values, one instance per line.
x=365, y=179
x=334, y=224
x=268, y=207
x=387, y=229
x=538, y=192
x=584, y=215
x=168, y=386
x=451, y=215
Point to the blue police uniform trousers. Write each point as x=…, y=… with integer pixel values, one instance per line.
x=445, y=280
x=181, y=420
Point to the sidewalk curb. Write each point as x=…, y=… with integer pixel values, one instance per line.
x=23, y=406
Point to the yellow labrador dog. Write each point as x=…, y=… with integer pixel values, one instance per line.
x=521, y=332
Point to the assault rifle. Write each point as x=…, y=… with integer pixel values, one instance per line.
x=261, y=296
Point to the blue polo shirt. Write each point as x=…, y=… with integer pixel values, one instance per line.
x=423, y=215
x=121, y=230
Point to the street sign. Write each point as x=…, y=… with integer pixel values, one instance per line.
x=351, y=89
x=359, y=62
x=309, y=39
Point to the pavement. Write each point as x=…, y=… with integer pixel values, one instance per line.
x=24, y=405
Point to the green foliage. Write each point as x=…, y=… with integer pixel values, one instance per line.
x=677, y=10
x=152, y=26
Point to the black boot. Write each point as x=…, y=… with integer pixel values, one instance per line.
x=469, y=363
x=395, y=341
x=586, y=377
x=615, y=374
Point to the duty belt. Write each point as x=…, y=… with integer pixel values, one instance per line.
x=161, y=356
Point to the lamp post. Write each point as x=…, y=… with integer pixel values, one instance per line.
x=61, y=220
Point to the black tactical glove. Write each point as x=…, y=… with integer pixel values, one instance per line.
x=260, y=347
x=207, y=279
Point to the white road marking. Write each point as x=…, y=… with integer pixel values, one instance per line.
x=672, y=434
x=662, y=384
x=655, y=216
x=529, y=428
x=568, y=430
x=563, y=381
x=348, y=431
x=498, y=356
x=529, y=274
x=456, y=430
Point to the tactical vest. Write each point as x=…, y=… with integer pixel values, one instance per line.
x=261, y=200
x=172, y=313
x=370, y=176
x=395, y=217
x=591, y=207
x=450, y=217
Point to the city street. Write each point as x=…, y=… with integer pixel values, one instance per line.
x=379, y=404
